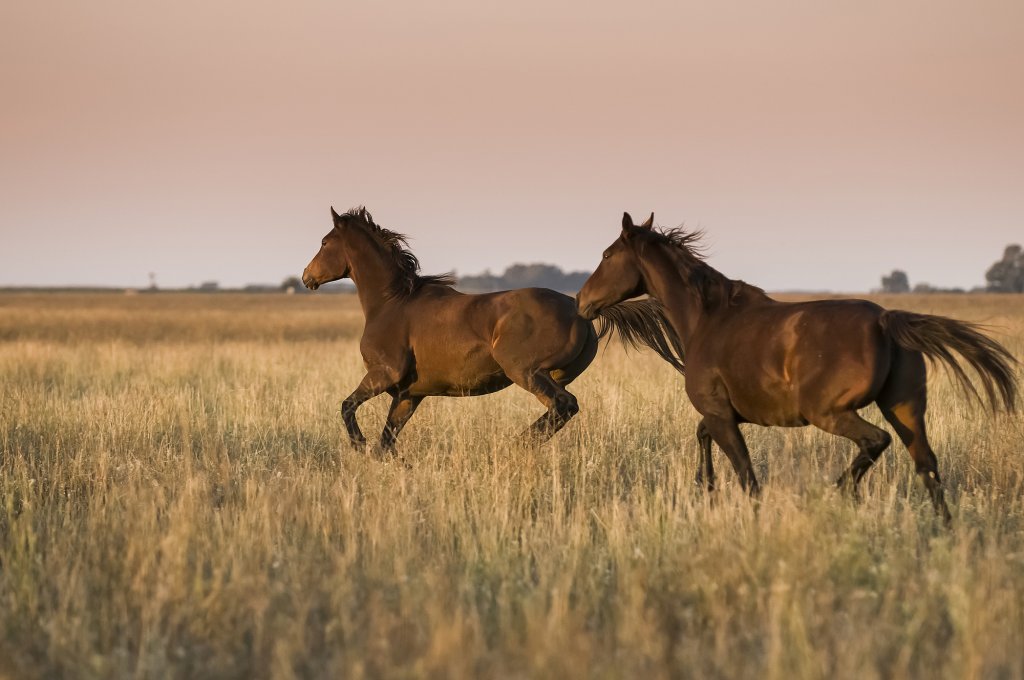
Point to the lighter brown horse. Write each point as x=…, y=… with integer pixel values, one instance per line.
x=752, y=359
x=423, y=338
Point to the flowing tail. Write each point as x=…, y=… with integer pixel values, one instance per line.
x=643, y=323
x=936, y=336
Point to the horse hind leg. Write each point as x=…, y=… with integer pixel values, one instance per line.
x=903, y=403
x=562, y=406
x=871, y=441
x=548, y=385
x=560, y=403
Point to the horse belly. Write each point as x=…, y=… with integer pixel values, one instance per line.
x=779, y=407
x=444, y=373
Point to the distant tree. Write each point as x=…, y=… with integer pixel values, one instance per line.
x=1007, y=275
x=293, y=283
x=897, y=282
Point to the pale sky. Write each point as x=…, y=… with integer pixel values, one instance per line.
x=820, y=144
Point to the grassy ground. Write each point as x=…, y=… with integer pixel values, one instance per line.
x=176, y=500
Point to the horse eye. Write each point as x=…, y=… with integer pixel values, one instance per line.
x=606, y=255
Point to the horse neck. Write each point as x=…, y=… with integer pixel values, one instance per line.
x=372, y=272
x=684, y=304
x=665, y=283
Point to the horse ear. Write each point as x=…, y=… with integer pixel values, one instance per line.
x=335, y=216
x=649, y=223
x=627, y=221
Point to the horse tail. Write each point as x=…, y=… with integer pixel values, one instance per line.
x=643, y=323
x=937, y=338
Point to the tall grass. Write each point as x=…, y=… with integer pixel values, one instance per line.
x=177, y=500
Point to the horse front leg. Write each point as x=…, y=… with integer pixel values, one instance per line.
x=726, y=433
x=376, y=381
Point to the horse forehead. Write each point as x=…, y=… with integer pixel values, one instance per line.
x=335, y=236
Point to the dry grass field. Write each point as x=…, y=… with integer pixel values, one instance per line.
x=177, y=500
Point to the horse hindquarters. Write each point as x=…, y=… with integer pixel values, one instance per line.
x=904, y=398
x=545, y=377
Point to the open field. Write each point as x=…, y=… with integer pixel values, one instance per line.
x=176, y=500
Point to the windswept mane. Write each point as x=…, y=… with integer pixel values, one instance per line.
x=690, y=241
x=397, y=246
x=715, y=288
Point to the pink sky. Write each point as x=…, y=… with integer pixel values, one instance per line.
x=821, y=144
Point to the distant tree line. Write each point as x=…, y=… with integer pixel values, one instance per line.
x=524, y=276
x=293, y=284
x=1005, y=276
x=516, y=276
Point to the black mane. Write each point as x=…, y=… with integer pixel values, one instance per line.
x=714, y=287
x=397, y=246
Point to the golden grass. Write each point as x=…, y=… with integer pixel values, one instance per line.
x=177, y=500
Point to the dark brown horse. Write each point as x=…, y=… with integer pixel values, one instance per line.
x=423, y=338
x=752, y=359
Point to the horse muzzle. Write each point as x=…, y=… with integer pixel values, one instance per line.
x=309, y=281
